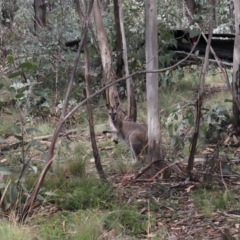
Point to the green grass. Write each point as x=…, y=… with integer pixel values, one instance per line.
x=85, y=194
x=220, y=98
x=45, y=128
x=6, y=127
x=13, y=231
x=92, y=224
x=209, y=201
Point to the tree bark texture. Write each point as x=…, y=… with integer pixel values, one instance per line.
x=231, y=11
x=236, y=64
x=40, y=14
x=191, y=5
x=97, y=159
x=132, y=105
x=118, y=41
x=108, y=71
x=154, y=135
x=200, y=98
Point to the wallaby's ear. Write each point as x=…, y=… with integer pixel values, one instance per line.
x=107, y=105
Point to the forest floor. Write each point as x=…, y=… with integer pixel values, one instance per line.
x=147, y=206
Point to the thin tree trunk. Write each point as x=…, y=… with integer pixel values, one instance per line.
x=191, y=5
x=231, y=11
x=97, y=161
x=132, y=105
x=40, y=11
x=200, y=98
x=154, y=134
x=118, y=41
x=108, y=71
x=236, y=65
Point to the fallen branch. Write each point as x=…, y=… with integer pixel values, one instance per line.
x=144, y=169
x=18, y=144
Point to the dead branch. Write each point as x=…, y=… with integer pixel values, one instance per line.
x=18, y=144
x=144, y=169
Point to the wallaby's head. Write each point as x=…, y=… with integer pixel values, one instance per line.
x=112, y=111
x=116, y=112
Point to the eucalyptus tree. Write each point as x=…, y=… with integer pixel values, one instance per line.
x=154, y=133
x=236, y=63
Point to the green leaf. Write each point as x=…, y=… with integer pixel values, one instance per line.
x=194, y=32
x=6, y=206
x=8, y=113
x=173, y=141
x=34, y=168
x=184, y=40
x=31, y=130
x=209, y=119
x=6, y=171
x=48, y=193
x=13, y=194
x=28, y=65
x=1, y=85
x=15, y=74
x=2, y=140
x=40, y=197
x=170, y=129
x=25, y=160
x=16, y=129
x=9, y=58
x=19, y=95
x=18, y=137
x=11, y=89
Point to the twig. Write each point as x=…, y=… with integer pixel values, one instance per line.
x=202, y=58
x=144, y=169
x=228, y=215
x=220, y=163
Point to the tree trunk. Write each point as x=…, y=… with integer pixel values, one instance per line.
x=236, y=65
x=231, y=11
x=40, y=15
x=132, y=105
x=191, y=5
x=118, y=41
x=108, y=71
x=154, y=134
x=200, y=98
x=97, y=159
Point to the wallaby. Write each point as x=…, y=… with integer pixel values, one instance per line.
x=132, y=134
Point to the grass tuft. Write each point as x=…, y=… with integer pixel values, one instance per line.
x=13, y=231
